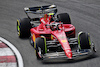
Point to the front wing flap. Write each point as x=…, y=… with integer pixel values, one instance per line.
x=78, y=54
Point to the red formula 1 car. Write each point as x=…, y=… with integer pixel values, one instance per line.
x=54, y=37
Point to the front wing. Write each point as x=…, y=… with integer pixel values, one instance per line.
x=78, y=54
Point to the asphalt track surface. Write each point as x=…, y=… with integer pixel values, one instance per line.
x=85, y=15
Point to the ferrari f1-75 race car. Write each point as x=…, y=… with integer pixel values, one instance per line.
x=53, y=36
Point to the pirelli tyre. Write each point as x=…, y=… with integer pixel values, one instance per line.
x=84, y=40
x=23, y=27
x=64, y=17
x=40, y=47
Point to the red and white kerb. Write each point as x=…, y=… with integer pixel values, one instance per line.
x=7, y=57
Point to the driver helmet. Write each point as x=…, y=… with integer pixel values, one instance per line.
x=51, y=14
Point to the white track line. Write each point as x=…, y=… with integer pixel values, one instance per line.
x=18, y=55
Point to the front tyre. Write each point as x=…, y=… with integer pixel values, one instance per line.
x=84, y=40
x=38, y=53
x=23, y=27
x=40, y=47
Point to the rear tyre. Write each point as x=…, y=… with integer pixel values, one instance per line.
x=64, y=17
x=84, y=40
x=23, y=27
x=40, y=47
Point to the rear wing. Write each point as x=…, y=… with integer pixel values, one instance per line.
x=41, y=9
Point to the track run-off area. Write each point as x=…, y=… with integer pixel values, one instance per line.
x=85, y=16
